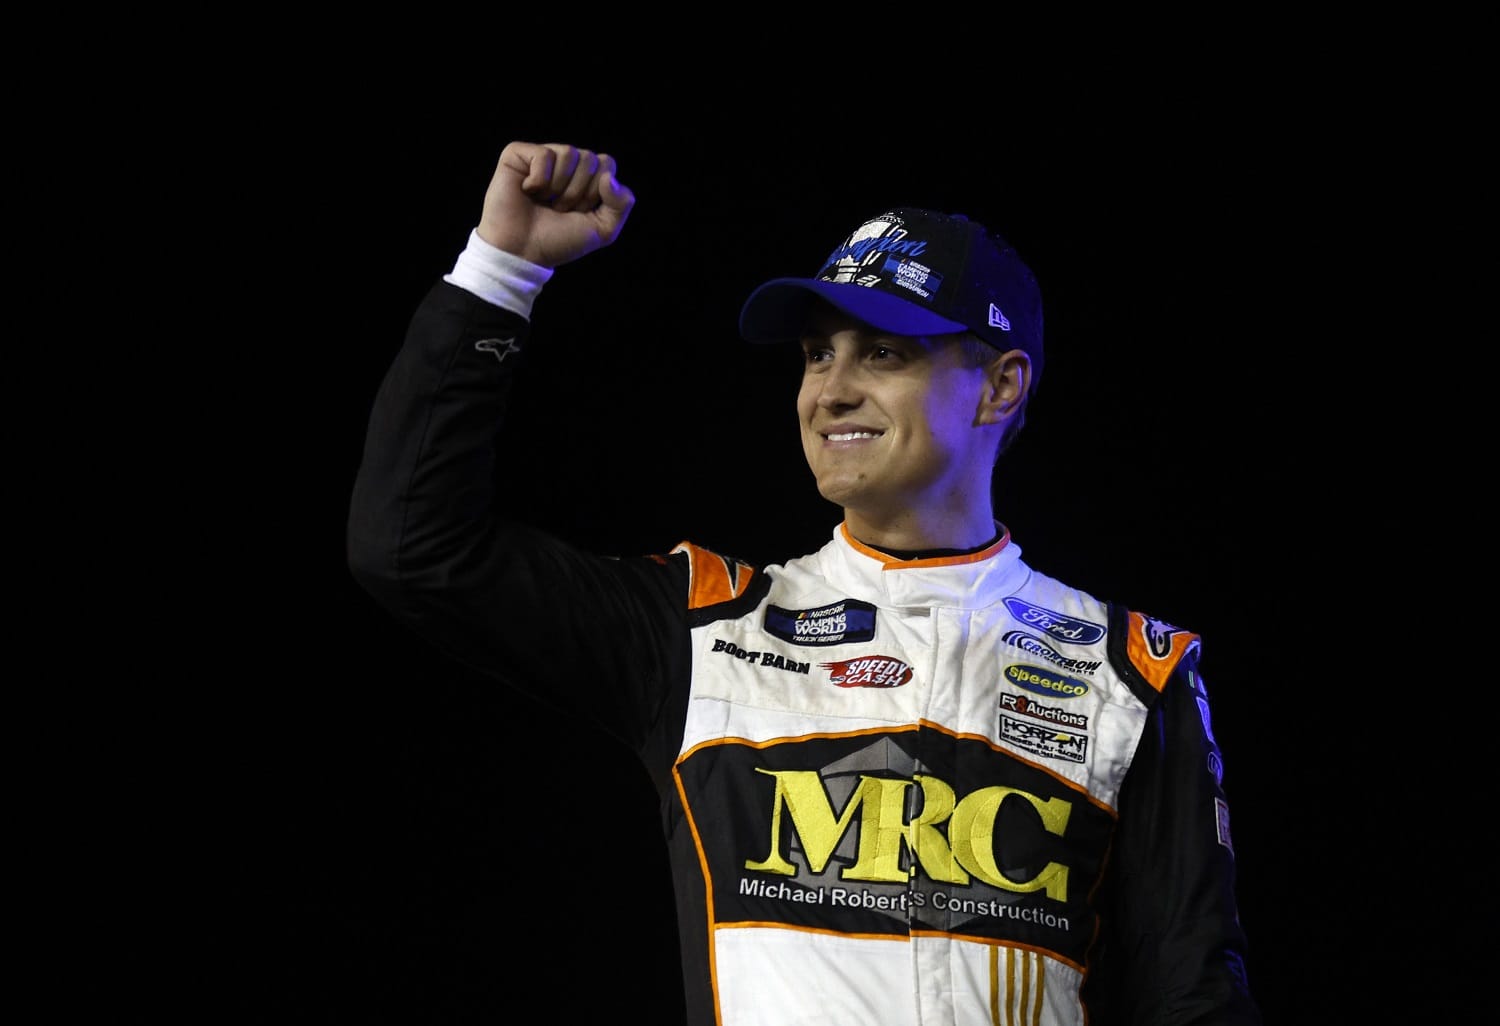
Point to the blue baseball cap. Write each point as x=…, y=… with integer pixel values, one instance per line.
x=911, y=271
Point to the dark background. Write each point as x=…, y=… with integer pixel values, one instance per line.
x=1191, y=453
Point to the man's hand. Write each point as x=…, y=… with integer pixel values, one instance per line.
x=552, y=203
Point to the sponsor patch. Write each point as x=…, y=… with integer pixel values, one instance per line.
x=1038, y=739
x=1068, y=629
x=909, y=274
x=847, y=620
x=1036, y=710
x=774, y=660
x=1221, y=816
x=1045, y=682
x=1037, y=647
x=868, y=672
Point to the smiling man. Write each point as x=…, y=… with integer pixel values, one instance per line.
x=905, y=778
x=901, y=430
x=916, y=375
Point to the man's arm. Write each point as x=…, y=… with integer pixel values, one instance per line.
x=1174, y=947
x=599, y=637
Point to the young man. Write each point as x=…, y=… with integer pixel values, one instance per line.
x=905, y=778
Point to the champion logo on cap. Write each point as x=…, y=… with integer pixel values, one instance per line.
x=911, y=271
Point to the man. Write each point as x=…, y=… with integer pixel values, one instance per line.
x=905, y=778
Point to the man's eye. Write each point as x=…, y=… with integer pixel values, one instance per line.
x=884, y=353
x=817, y=355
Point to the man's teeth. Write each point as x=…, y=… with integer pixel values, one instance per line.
x=851, y=435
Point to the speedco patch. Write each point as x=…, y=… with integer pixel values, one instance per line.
x=1045, y=682
x=834, y=624
x=868, y=672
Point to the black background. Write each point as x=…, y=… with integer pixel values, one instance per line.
x=1190, y=453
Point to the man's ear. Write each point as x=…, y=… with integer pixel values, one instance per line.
x=1006, y=380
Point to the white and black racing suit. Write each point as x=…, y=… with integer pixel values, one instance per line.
x=945, y=790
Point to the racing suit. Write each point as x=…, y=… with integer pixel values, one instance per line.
x=946, y=790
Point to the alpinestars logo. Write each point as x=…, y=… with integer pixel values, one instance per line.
x=1158, y=635
x=501, y=347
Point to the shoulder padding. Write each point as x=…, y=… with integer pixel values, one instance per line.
x=713, y=578
x=1154, y=647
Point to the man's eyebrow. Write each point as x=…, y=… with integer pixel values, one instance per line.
x=812, y=330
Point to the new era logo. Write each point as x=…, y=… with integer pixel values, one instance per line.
x=998, y=319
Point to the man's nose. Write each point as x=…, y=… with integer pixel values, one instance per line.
x=839, y=385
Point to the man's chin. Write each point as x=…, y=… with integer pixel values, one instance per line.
x=844, y=492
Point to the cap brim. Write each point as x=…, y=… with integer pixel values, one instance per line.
x=777, y=311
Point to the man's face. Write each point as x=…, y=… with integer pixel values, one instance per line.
x=888, y=422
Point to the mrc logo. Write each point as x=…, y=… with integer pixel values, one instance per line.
x=886, y=832
x=953, y=837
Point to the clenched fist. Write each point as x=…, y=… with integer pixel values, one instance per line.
x=551, y=203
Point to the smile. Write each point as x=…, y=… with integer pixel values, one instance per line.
x=849, y=436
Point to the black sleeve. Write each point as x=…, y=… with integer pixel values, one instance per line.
x=1173, y=947
x=595, y=637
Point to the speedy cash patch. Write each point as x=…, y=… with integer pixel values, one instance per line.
x=847, y=620
x=878, y=671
